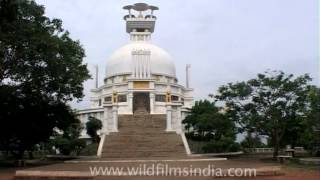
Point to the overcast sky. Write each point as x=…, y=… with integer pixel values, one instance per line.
x=224, y=40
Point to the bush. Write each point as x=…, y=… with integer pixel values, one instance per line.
x=92, y=126
x=224, y=144
x=67, y=146
x=252, y=142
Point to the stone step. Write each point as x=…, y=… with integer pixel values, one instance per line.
x=110, y=149
x=142, y=155
x=149, y=142
x=141, y=122
x=136, y=120
x=131, y=140
x=141, y=145
x=139, y=128
x=143, y=150
x=154, y=148
x=146, y=152
x=141, y=136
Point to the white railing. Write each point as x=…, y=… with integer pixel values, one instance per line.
x=99, y=152
x=270, y=150
x=259, y=150
x=185, y=143
x=299, y=149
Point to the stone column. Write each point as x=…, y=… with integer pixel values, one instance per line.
x=105, y=121
x=169, y=118
x=152, y=100
x=179, y=120
x=130, y=85
x=115, y=117
x=130, y=102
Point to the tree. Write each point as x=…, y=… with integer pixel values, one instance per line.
x=269, y=105
x=207, y=122
x=41, y=70
x=37, y=53
x=92, y=126
x=310, y=137
x=69, y=141
x=29, y=120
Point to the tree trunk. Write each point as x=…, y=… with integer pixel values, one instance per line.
x=275, y=151
x=30, y=153
x=276, y=145
x=21, y=155
x=250, y=143
x=19, y=158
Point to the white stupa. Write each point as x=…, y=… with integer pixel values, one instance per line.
x=140, y=78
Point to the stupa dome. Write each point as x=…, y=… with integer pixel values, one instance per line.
x=121, y=61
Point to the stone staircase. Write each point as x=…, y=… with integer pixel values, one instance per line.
x=142, y=136
x=141, y=111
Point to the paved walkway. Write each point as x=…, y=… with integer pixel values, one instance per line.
x=161, y=168
x=219, y=162
x=290, y=174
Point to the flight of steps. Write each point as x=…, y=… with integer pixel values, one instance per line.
x=141, y=111
x=142, y=136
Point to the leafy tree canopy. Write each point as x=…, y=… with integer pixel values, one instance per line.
x=207, y=122
x=271, y=104
x=310, y=136
x=37, y=53
x=41, y=70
